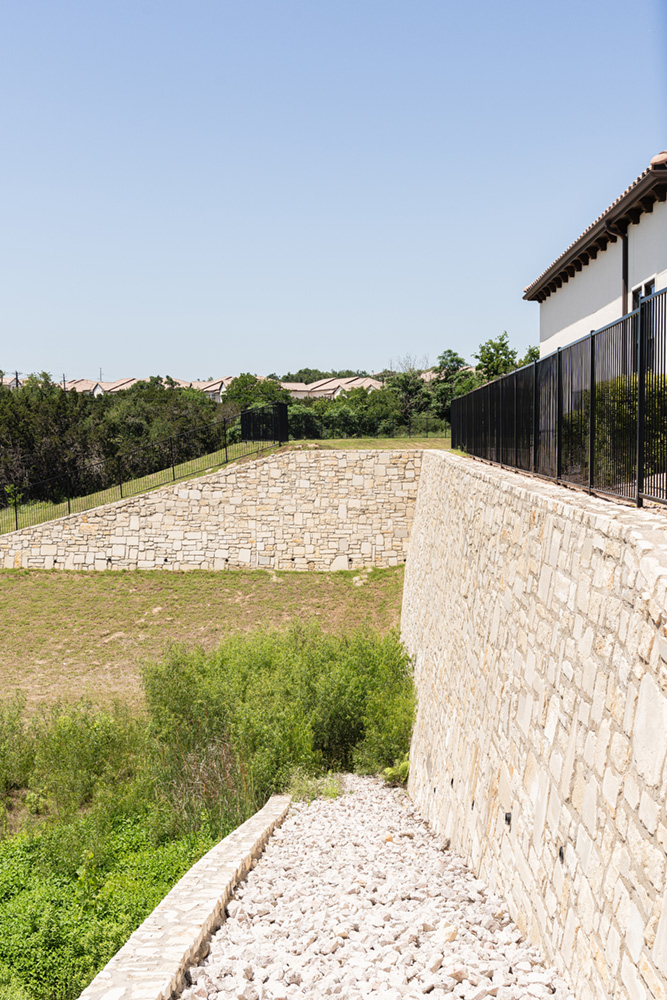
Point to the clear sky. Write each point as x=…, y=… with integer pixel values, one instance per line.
x=206, y=187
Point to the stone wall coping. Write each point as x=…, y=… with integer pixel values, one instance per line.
x=151, y=965
x=614, y=519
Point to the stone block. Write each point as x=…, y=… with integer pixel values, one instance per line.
x=649, y=739
x=649, y=811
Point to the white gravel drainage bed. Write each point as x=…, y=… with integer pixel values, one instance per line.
x=354, y=897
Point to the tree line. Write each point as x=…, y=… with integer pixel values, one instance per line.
x=74, y=443
x=406, y=403
x=69, y=441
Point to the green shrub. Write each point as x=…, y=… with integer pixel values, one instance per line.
x=16, y=745
x=304, y=787
x=398, y=774
x=304, y=422
x=616, y=430
x=76, y=748
x=114, y=808
x=287, y=700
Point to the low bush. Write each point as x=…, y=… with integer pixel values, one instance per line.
x=103, y=811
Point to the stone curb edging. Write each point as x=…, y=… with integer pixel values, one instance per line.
x=151, y=964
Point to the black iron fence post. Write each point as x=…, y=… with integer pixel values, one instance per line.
x=500, y=422
x=173, y=464
x=535, y=419
x=224, y=431
x=68, y=490
x=559, y=414
x=641, y=378
x=591, y=418
x=16, y=507
x=516, y=430
x=120, y=477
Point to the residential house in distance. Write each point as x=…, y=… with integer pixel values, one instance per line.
x=331, y=388
x=616, y=260
x=214, y=388
x=297, y=390
x=119, y=384
x=84, y=385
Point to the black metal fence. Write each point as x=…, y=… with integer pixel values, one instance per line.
x=594, y=414
x=165, y=461
x=265, y=423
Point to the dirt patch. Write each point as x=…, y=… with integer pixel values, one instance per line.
x=70, y=635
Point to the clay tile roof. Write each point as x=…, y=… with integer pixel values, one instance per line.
x=655, y=176
x=121, y=383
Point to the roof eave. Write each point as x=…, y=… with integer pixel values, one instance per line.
x=651, y=186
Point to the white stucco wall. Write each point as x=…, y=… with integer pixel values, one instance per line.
x=647, y=249
x=593, y=297
x=588, y=301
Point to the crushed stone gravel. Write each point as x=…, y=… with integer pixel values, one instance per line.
x=353, y=898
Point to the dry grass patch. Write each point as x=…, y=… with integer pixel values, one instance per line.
x=65, y=635
x=392, y=444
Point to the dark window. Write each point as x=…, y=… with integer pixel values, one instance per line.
x=648, y=324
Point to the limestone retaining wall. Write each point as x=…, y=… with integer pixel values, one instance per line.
x=294, y=509
x=537, y=617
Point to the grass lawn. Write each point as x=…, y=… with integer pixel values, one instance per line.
x=400, y=443
x=68, y=635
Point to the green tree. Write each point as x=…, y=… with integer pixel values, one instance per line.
x=448, y=369
x=411, y=393
x=532, y=354
x=309, y=375
x=247, y=390
x=49, y=437
x=306, y=375
x=465, y=381
x=495, y=357
x=449, y=363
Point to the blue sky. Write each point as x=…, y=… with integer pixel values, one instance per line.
x=209, y=187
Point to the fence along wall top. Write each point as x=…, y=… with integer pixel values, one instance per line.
x=628, y=460
x=580, y=340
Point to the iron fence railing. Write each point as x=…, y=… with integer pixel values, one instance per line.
x=25, y=503
x=594, y=414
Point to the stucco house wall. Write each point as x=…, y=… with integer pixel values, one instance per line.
x=648, y=248
x=588, y=301
x=592, y=282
